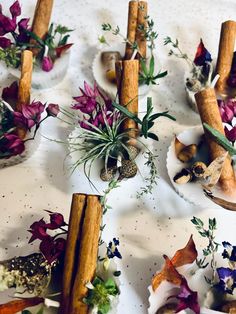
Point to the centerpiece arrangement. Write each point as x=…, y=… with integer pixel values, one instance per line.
x=196, y=280
x=20, y=118
x=48, y=43
x=139, y=43
x=90, y=277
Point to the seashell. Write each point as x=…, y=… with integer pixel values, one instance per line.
x=107, y=174
x=187, y=153
x=128, y=169
x=198, y=169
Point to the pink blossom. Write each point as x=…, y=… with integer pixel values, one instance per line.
x=226, y=111
x=5, y=42
x=32, y=112
x=53, y=110
x=56, y=220
x=52, y=249
x=15, y=9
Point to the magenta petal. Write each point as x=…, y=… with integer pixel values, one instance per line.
x=88, y=89
x=15, y=9
x=53, y=110
x=5, y=42
x=47, y=64
x=12, y=144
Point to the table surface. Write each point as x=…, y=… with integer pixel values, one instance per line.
x=147, y=227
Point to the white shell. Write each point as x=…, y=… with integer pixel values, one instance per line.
x=42, y=79
x=192, y=191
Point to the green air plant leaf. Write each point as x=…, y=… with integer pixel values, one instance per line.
x=126, y=112
x=151, y=66
x=35, y=37
x=221, y=139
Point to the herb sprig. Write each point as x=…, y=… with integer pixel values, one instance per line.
x=211, y=248
x=147, y=76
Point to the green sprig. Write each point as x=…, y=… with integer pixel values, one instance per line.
x=147, y=76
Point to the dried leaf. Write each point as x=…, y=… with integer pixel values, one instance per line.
x=213, y=172
x=184, y=256
x=178, y=146
x=187, y=255
x=187, y=153
x=168, y=273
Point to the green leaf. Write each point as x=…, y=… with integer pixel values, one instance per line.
x=197, y=221
x=35, y=37
x=126, y=112
x=151, y=66
x=160, y=75
x=60, y=29
x=220, y=139
x=162, y=114
x=104, y=308
x=149, y=106
x=153, y=136
x=144, y=67
x=64, y=40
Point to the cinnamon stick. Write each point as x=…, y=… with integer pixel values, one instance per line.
x=24, y=85
x=131, y=29
x=87, y=255
x=127, y=80
x=73, y=238
x=141, y=24
x=42, y=16
x=210, y=114
x=225, y=54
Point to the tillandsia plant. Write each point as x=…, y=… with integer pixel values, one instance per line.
x=147, y=73
x=16, y=36
x=29, y=118
x=101, y=136
x=201, y=67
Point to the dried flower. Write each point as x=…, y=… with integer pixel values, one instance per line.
x=56, y=220
x=187, y=299
x=53, y=110
x=112, y=250
x=226, y=111
x=38, y=230
x=9, y=94
x=227, y=279
x=4, y=42
x=202, y=55
x=11, y=145
x=230, y=134
x=229, y=251
x=52, y=249
x=32, y=112
x=47, y=64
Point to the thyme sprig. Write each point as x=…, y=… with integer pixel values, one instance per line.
x=153, y=176
x=211, y=248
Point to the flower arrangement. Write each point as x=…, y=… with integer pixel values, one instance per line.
x=195, y=283
x=17, y=35
x=29, y=118
x=101, y=136
x=35, y=272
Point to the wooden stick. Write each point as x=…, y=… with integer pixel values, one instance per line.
x=127, y=80
x=131, y=29
x=73, y=238
x=225, y=54
x=24, y=89
x=42, y=16
x=140, y=37
x=87, y=255
x=209, y=113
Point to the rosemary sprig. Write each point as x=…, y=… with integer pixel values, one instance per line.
x=211, y=248
x=111, y=186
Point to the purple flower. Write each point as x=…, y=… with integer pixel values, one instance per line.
x=202, y=55
x=38, y=230
x=52, y=249
x=226, y=110
x=53, y=110
x=229, y=251
x=7, y=25
x=87, y=103
x=56, y=221
x=5, y=42
x=47, y=64
x=112, y=250
x=230, y=134
x=12, y=145
x=32, y=112
x=23, y=37
x=15, y=9
x=10, y=94
x=20, y=120
x=187, y=299
x=227, y=279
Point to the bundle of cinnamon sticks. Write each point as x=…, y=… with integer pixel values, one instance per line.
x=137, y=21
x=81, y=252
